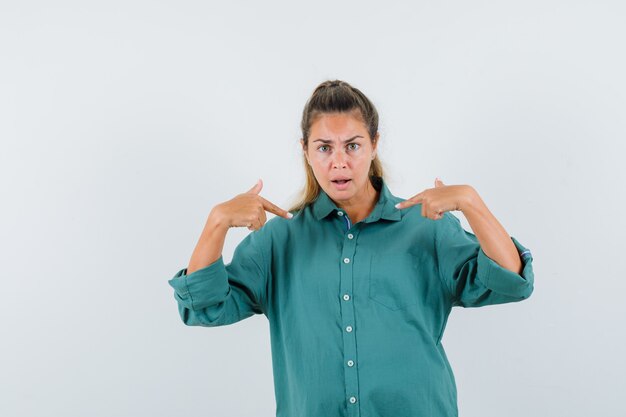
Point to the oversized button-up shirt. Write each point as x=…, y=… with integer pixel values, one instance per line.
x=356, y=311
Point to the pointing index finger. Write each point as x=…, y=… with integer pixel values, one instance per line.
x=416, y=199
x=273, y=208
x=405, y=204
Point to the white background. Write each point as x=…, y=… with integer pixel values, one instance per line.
x=122, y=123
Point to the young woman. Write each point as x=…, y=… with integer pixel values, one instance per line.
x=357, y=284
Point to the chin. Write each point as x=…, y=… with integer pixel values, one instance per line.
x=341, y=194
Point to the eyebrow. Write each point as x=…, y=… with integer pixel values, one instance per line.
x=330, y=141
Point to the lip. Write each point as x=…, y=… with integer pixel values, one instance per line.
x=343, y=186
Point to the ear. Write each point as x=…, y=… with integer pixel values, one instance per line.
x=304, y=151
x=375, y=145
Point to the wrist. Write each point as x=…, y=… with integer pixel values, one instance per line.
x=471, y=201
x=217, y=220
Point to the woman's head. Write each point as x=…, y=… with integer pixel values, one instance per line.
x=339, y=140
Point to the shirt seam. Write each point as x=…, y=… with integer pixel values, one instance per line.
x=489, y=267
x=189, y=292
x=448, y=289
x=262, y=297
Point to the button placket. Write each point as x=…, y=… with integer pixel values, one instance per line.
x=348, y=314
x=345, y=218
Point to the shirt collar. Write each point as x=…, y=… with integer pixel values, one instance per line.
x=384, y=208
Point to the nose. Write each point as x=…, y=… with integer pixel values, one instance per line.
x=339, y=160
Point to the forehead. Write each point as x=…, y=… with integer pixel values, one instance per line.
x=330, y=125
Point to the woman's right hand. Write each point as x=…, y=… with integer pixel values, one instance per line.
x=248, y=209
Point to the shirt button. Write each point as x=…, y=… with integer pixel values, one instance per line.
x=350, y=235
x=340, y=213
x=346, y=260
x=352, y=400
x=346, y=297
x=350, y=363
x=348, y=329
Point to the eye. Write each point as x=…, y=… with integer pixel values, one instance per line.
x=323, y=146
x=356, y=146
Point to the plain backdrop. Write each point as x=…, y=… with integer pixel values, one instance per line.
x=122, y=123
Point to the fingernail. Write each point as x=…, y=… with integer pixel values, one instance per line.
x=397, y=205
x=289, y=215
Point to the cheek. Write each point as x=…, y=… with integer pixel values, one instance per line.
x=363, y=162
x=318, y=167
x=319, y=162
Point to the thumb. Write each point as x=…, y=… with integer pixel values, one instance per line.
x=257, y=187
x=438, y=182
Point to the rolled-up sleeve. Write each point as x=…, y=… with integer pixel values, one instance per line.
x=221, y=294
x=472, y=278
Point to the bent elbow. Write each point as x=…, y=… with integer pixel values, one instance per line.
x=200, y=317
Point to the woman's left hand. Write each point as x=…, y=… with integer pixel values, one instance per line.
x=442, y=198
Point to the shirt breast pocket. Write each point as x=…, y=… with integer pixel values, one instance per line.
x=394, y=280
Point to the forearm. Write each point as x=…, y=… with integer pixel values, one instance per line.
x=210, y=245
x=493, y=238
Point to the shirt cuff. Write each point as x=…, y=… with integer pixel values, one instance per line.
x=203, y=287
x=504, y=281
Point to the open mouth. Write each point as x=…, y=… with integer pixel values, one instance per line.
x=341, y=181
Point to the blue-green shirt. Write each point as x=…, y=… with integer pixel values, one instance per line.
x=356, y=311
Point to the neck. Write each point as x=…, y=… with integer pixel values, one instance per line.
x=360, y=209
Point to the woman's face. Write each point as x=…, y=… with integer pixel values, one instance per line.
x=340, y=148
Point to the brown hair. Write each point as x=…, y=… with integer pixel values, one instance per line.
x=335, y=97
